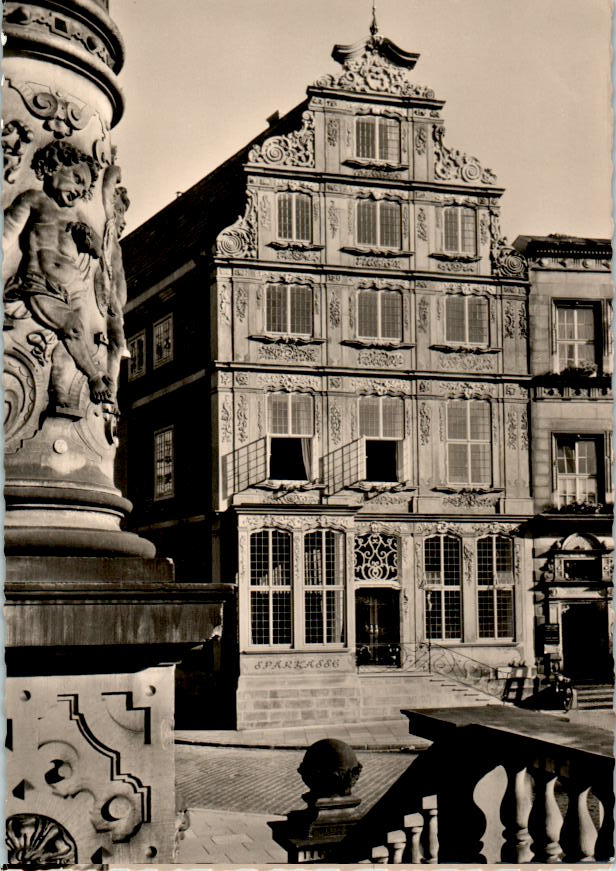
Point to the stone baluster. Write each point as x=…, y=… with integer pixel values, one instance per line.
x=515, y=811
x=603, y=790
x=415, y=823
x=397, y=842
x=546, y=819
x=430, y=809
x=380, y=855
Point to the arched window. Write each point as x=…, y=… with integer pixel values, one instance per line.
x=495, y=587
x=443, y=574
x=270, y=587
x=324, y=573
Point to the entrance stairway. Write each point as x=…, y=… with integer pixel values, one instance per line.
x=593, y=696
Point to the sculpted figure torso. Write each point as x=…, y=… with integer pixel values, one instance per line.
x=53, y=280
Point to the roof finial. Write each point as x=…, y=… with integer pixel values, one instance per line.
x=374, y=29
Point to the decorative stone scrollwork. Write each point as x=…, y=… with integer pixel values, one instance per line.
x=380, y=359
x=454, y=164
x=264, y=212
x=240, y=239
x=524, y=430
x=288, y=351
x=470, y=499
x=226, y=420
x=334, y=310
x=332, y=218
x=332, y=131
x=422, y=228
x=522, y=323
x=16, y=136
x=470, y=361
x=424, y=423
x=376, y=557
x=290, y=383
x=241, y=418
x=61, y=113
x=484, y=229
x=335, y=423
x=512, y=429
x=506, y=261
x=421, y=140
x=423, y=315
x=293, y=149
x=38, y=840
x=371, y=71
x=508, y=321
x=241, y=303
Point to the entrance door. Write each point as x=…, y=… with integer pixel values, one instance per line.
x=377, y=627
x=586, y=653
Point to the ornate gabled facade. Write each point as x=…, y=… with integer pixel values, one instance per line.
x=366, y=346
x=571, y=358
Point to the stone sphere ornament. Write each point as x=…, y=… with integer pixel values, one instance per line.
x=330, y=768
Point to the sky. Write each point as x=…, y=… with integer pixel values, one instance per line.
x=527, y=85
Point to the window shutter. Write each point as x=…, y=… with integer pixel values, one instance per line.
x=345, y=466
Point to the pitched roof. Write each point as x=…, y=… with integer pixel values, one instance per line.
x=563, y=246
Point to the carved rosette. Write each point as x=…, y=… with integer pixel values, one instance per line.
x=39, y=840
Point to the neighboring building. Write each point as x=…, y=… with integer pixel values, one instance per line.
x=571, y=358
x=328, y=401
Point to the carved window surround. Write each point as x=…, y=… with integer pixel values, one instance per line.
x=268, y=339
x=292, y=245
x=375, y=488
x=376, y=252
x=464, y=349
x=455, y=256
x=367, y=163
x=288, y=486
x=478, y=491
x=377, y=343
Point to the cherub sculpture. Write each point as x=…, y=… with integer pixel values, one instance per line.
x=54, y=280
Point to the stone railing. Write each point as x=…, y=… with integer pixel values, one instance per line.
x=498, y=785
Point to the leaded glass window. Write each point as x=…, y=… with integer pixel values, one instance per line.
x=459, y=230
x=466, y=320
x=443, y=596
x=378, y=138
x=324, y=585
x=295, y=217
x=577, y=478
x=270, y=587
x=288, y=309
x=575, y=326
x=495, y=587
x=378, y=223
x=469, y=455
x=163, y=341
x=164, y=484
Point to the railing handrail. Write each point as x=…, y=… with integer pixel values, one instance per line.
x=454, y=650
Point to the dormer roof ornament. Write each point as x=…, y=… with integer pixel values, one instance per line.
x=376, y=65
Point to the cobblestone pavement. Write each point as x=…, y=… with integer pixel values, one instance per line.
x=266, y=781
x=233, y=793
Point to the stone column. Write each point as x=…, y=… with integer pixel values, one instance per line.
x=64, y=287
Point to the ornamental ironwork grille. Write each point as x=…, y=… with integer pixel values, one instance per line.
x=270, y=587
x=324, y=561
x=495, y=587
x=136, y=349
x=376, y=558
x=378, y=139
x=379, y=314
x=466, y=320
x=288, y=309
x=378, y=224
x=575, y=336
x=459, y=230
x=295, y=217
x=163, y=341
x=163, y=464
x=469, y=442
x=443, y=597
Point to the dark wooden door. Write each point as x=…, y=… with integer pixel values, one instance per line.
x=586, y=653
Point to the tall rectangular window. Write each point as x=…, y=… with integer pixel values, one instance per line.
x=378, y=138
x=164, y=484
x=469, y=455
x=459, y=230
x=495, y=587
x=295, y=217
x=270, y=587
x=136, y=349
x=291, y=428
x=378, y=223
x=324, y=575
x=288, y=309
x=577, y=471
x=575, y=336
x=381, y=423
x=379, y=314
x=163, y=341
x=443, y=573
x=466, y=320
